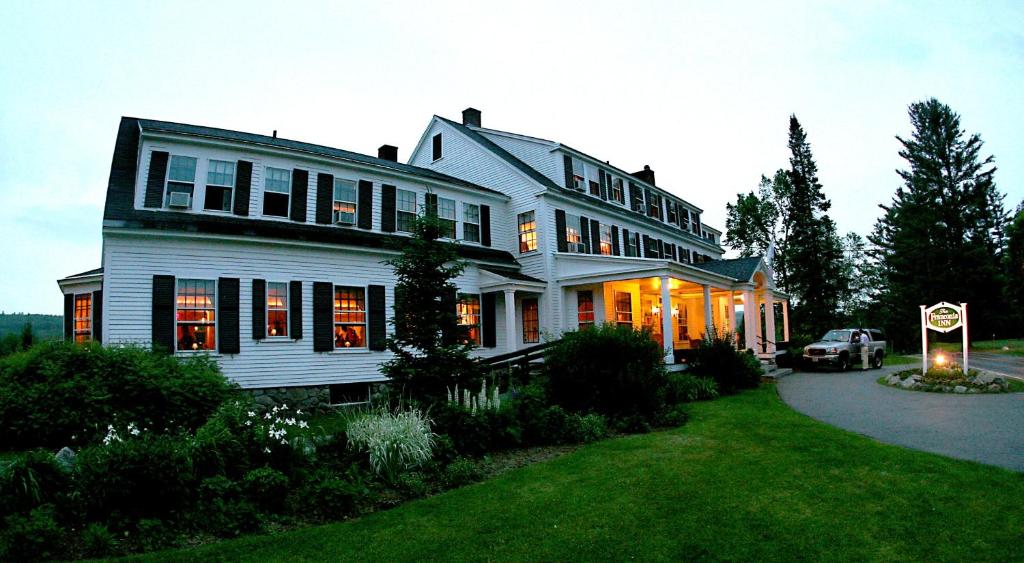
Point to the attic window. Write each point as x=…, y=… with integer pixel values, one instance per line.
x=617, y=190
x=181, y=178
x=437, y=146
x=579, y=172
x=276, y=192
x=220, y=182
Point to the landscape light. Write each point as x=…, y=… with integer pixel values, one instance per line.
x=940, y=360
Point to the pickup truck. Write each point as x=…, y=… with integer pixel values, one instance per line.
x=841, y=348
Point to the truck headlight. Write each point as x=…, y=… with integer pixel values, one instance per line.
x=833, y=350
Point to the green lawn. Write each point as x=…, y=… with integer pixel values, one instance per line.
x=901, y=360
x=1016, y=346
x=745, y=479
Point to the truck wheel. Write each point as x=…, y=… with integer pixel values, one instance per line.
x=879, y=360
x=844, y=362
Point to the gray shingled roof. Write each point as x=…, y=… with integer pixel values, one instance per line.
x=512, y=274
x=92, y=272
x=252, y=138
x=741, y=269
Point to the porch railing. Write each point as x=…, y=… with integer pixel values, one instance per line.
x=518, y=358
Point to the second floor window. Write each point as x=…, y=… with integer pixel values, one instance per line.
x=344, y=202
x=527, y=231
x=468, y=311
x=446, y=215
x=83, y=317
x=633, y=244
x=405, y=209
x=624, y=308
x=277, y=309
x=531, y=321
x=349, y=317
x=606, y=240
x=585, y=308
x=276, y=192
x=181, y=179
x=617, y=194
x=220, y=183
x=470, y=222
x=572, y=234
x=196, y=315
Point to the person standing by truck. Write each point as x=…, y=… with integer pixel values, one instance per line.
x=865, y=350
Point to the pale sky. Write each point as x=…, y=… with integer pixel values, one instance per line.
x=701, y=91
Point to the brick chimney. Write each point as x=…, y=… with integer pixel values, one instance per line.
x=388, y=152
x=647, y=175
x=471, y=117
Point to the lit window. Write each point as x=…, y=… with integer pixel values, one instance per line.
x=446, y=215
x=682, y=324
x=276, y=192
x=181, y=177
x=277, y=309
x=527, y=231
x=349, y=317
x=531, y=321
x=606, y=240
x=220, y=183
x=468, y=311
x=624, y=308
x=470, y=222
x=344, y=202
x=617, y=193
x=83, y=317
x=405, y=207
x=572, y=234
x=585, y=308
x=196, y=315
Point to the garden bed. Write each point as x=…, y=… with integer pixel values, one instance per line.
x=951, y=380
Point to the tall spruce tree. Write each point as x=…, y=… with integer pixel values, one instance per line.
x=941, y=237
x=1015, y=272
x=814, y=251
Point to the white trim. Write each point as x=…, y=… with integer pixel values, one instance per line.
x=366, y=320
x=287, y=312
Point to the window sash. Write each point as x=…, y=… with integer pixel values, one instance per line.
x=345, y=201
x=531, y=321
x=277, y=309
x=606, y=240
x=278, y=180
x=182, y=169
x=585, y=307
x=349, y=317
x=83, y=317
x=220, y=173
x=468, y=311
x=624, y=308
x=527, y=231
x=196, y=315
x=617, y=189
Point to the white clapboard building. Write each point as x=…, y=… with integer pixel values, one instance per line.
x=270, y=254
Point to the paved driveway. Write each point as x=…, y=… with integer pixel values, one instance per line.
x=984, y=428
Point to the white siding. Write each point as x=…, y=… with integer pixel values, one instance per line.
x=534, y=153
x=131, y=261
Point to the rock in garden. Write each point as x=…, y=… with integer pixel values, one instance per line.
x=959, y=389
x=995, y=387
x=907, y=383
x=999, y=381
x=893, y=379
x=65, y=457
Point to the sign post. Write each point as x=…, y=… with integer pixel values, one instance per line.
x=942, y=317
x=963, y=316
x=924, y=342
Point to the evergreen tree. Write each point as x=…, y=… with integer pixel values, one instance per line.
x=431, y=351
x=941, y=237
x=813, y=247
x=1015, y=272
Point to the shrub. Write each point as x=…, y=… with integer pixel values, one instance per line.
x=152, y=534
x=395, y=441
x=731, y=369
x=97, y=541
x=329, y=496
x=687, y=388
x=267, y=488
x=588, y=428
x=32, y=537
x=57, y=393
x=222, y=511
x=610, y=369
x=412, y=485
x=476, y=433
x=673, y=416
x=462, y=472
x=30, y=480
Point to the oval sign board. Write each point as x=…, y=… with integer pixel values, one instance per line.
x=943, y=317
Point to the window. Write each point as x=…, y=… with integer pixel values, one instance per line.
x=349, y=317
x=471, y=222
x=531, y=321
x=277, y=309
x=633, y=244
x=606, y=240
x=468, y=311
x=276, y=190
x=579, y=172
x=585, y=308
x=344, y=202
x=670, y=212
x=181, y=178
x=595, y=188
x=572, y=234
x=220, y=183
x=653, y=204
x=437, y=146
x=694, y=223
x=617, y=194
x=446, y=216
x=527, y=231
x=624, y=308
x=196, y=315
x=682, y=324
x=405, y=207
x=83, y=317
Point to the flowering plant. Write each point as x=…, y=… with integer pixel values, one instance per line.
x=395, y=441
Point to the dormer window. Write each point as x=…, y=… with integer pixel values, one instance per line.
x=617, y=193
x=344, y=202
x=220, y=184
x=579, y=173
x=670, y=212
x=181, y=182
x=276, y=192
x=437, y=146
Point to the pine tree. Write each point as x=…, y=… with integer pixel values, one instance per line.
x=941, y=237
x=431, y=351
x=1015, y=272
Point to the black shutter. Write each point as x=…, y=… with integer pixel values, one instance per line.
x=155, y=180
x=604, y=184
x=569, y=182
x=485, y=225
x=300, y=187
x=632, y=196
x=69, y=316
x=243, y=186
x=295, y=309
x=227, y=316
x=324, y=198
x=585, y=232
x=259, y=309
x=646, y=252
x=615, y=240
x=163, y=314
x=661, y=209
x=625, y=242
x=431, y=201
x=563, y=244
x=387, y=208
x=323, y=317
x=595, y=236
x=97, y=316
x=488, y=320
x=365, y=211
x=377, y=325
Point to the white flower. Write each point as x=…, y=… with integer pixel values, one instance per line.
x=266, y=450
x=298, y=411
x=274, y=410
x=284, y=407
x=284, y=442
x=252, y=414
x=135, y=431
x=268, y=417
x=303, y=424
x=248, y=423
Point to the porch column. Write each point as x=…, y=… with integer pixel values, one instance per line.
x=751, y=318
x=667, y=336
x=709, y=318
x=785, y=320
x=732, y=317
x=769, y=321
x=510, y=320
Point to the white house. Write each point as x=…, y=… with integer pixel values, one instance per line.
x=269, y=254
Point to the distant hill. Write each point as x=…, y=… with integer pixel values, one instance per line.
x=45, y=327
